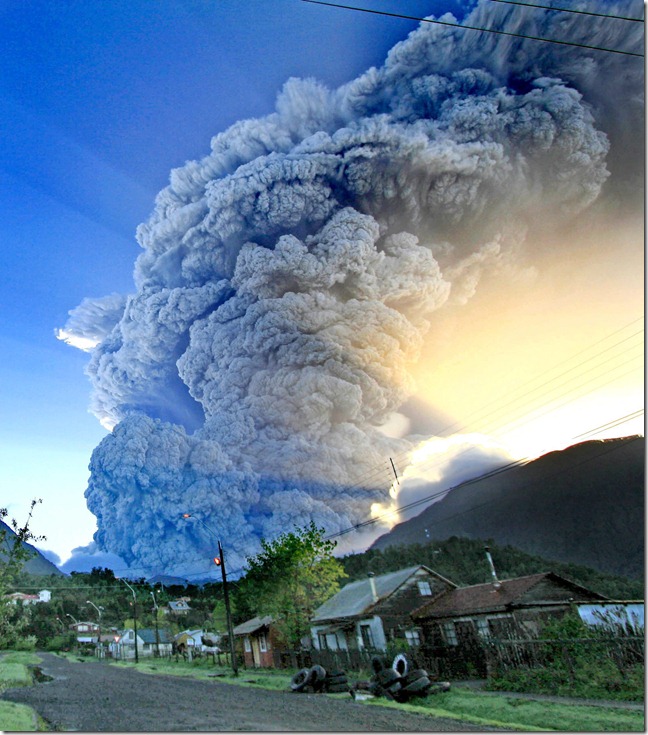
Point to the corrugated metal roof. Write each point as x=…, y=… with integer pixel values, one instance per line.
x=251, y=626
x=356, y=598
x=148, y=635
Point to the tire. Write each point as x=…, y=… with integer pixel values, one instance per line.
x=418, y=688
x=317, y=678
x=378, y=663
x=400, y=664
x=340, y=679
x=387, y=677
x=300, y=680
x=414, y=675
x=336, y=673
x=317, y=673
x=337, y=688
x=394, y=688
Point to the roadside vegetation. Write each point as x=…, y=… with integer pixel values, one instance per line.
x=578, y=662
x=525, y=714
x=14, y=673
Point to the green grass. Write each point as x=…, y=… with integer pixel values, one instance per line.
x=527, y=714
x=14, y=675
x=205, y=669
x=14, y=672
x=596, y=680
x=18, y=718
x=20, y=657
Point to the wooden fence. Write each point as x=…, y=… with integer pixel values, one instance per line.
x=622, y=651
x=480, y=659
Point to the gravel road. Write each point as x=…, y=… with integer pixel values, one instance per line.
x=98, y=697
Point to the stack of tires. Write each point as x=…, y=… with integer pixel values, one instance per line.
x=397, y=681
x=317, y=679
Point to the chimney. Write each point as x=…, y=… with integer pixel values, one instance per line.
x=372, y=582
x=496, y=583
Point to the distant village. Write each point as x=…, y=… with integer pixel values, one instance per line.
x=428, y=615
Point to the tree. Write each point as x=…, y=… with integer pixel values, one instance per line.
x=13, y=554
x=289, y=578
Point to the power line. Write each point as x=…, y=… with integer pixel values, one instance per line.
x=484, y=476
x=473, y=28
x=485, y=413
x=569, y=10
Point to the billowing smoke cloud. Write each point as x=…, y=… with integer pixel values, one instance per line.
x=288, y=279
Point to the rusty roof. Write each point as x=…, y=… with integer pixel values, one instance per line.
x=489, y=597
x=251, y=626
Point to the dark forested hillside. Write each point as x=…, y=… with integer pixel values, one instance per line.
x=463, y=561
x=37, y=564
x=583, y=505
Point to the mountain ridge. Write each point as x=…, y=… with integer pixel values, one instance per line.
x=37, y=564
x=583, y=504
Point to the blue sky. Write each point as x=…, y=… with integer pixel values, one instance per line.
x=99, y=101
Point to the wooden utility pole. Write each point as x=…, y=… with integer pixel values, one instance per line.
x=230, y=629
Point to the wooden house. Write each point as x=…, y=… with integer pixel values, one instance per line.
x=149, y=643
x=509, y=608
x=370, y=612
x=258, y=640
x=177, y=607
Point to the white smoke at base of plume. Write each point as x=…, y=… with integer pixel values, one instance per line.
x=288, y=279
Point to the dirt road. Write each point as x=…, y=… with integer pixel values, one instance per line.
x=97, y=697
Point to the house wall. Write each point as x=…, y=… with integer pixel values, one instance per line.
x=262, y=644
x=456, y=629
x=395, y=610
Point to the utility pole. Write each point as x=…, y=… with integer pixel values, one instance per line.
x=230, y=628
x=220, y=561
x=134, y=618
x=98, y=609
x=157, y=632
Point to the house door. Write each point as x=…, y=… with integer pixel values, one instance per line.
x=256, y=653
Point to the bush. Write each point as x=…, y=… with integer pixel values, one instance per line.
x=578, y=663
x=25, y=643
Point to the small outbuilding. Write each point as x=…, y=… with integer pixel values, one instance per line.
x=258, y=641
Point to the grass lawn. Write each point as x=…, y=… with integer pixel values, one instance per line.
x=18, y=718
x=14, y=675
x=528, y=714
x=204, y=669
x=14, y=672
x=20, y=657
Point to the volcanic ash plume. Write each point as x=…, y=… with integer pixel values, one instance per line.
x=287, y=282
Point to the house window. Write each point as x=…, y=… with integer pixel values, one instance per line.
x=322, y=641
x=247, y=645
x=367, y=636
x=502, y=627
x=482, y=627
x=424, y=587
x=449, y=633
x=413, y=637
x=263, y=643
